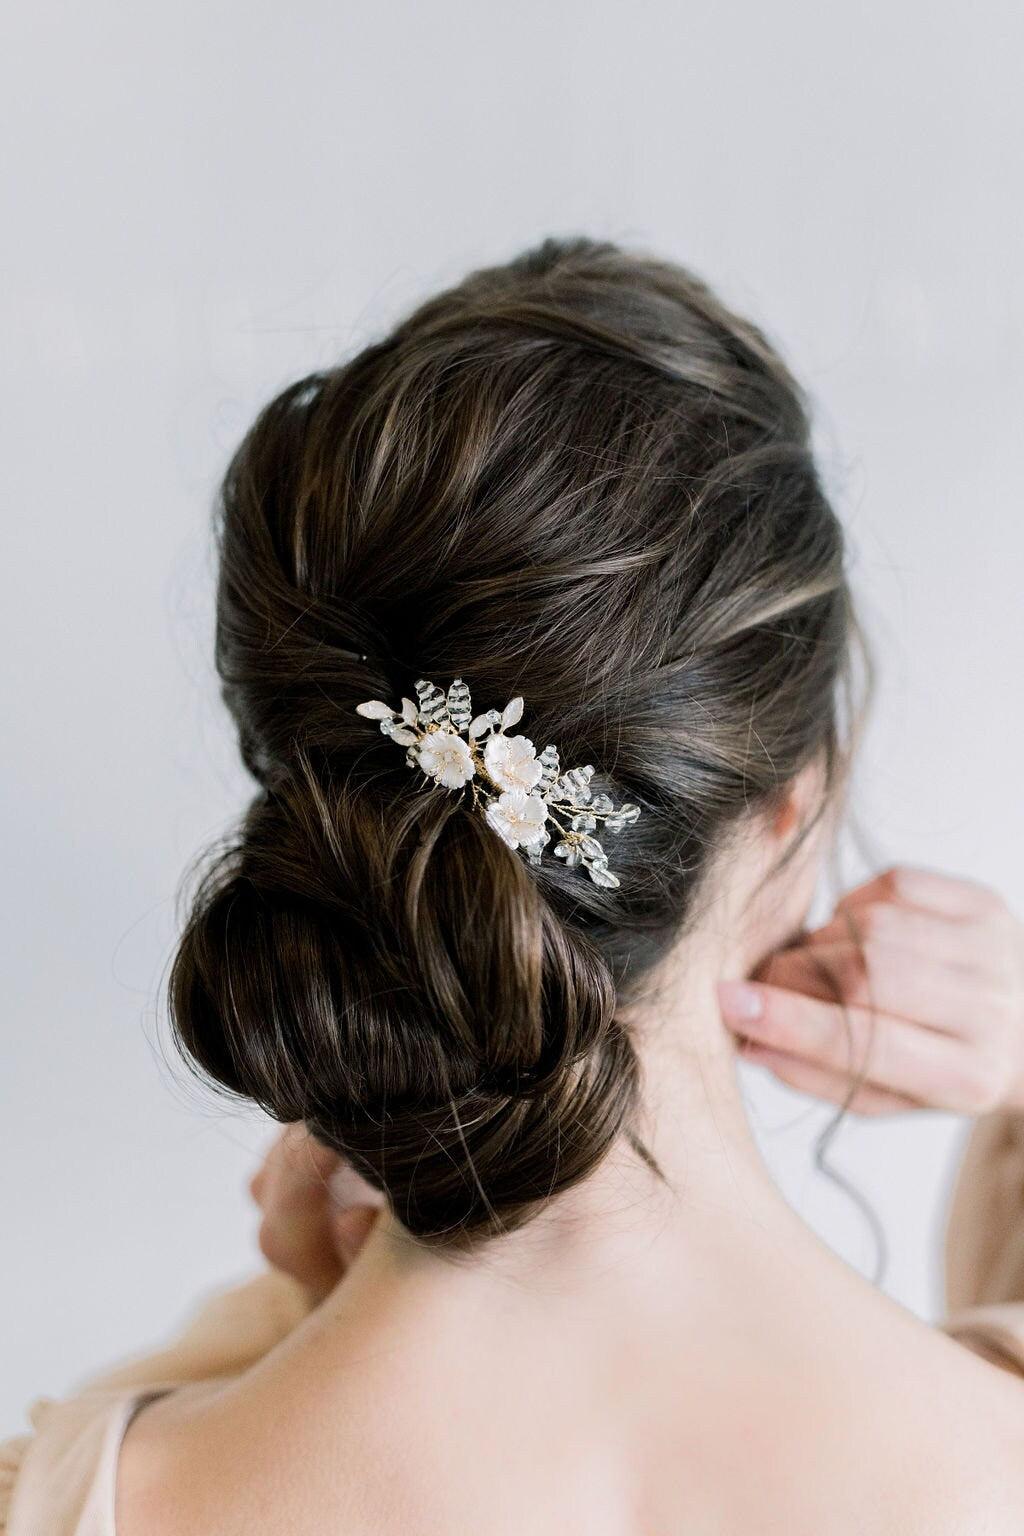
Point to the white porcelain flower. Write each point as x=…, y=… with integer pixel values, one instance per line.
x=512, y=763
x=537, y=796
x=518, y=817
x=446, y=757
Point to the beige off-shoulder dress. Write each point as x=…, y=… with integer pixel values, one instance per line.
x=58, y=1480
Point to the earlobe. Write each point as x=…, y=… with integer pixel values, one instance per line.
x=787, y=815
x=798, y=798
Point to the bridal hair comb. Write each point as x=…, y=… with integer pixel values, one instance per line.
x=518, y=790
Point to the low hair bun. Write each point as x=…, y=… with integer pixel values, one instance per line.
x=389, y=973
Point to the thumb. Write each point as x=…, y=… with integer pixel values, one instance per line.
x=350, y=1228
x=354, y=1207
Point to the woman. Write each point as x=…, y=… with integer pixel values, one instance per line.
x=534, y=622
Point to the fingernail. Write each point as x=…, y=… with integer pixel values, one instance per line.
x=740, y=1000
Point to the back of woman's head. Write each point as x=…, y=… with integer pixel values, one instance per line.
x=579, y=478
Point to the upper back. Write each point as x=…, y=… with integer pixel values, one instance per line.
x=839, y=1412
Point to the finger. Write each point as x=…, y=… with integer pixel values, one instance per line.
x=821, y=1083
x=347, y=1188
x=893, y=981
x=350, y=1228
x=308, y=1158
x=295, y=1171
x=890, y=1053
x=307, y=1255
x=977, y=945
x=930, y=890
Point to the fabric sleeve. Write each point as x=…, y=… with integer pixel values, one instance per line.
x=47, y=1476
x=984, y=1242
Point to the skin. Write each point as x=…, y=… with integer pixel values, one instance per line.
x=642, y=1358
x=931, y=970
x=316, y=1211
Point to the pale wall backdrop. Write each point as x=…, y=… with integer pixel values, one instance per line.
x=202, y=201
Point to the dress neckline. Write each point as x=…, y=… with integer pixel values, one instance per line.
x=100, y=1515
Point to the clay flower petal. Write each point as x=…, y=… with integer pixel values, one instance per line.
x=512, y=762
x=446, y=758
x=518, y=817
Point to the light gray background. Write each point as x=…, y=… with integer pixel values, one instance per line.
x=203, y=201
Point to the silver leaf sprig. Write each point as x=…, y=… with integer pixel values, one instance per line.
x=519, y=790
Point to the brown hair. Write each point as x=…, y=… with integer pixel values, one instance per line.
x=579, y=477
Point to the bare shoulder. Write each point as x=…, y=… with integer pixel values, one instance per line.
x=973, y=1448
x=1003, y=1388
x=912, y=1432
x=148, y=1485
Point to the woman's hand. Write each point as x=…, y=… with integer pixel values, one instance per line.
x=317, y=1211
x=939, y=960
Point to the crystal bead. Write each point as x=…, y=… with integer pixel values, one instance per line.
x=433, y=708
x=574, y=786
x=549, y=767
x=459, y=706
x=583, y=823
x=534, y=849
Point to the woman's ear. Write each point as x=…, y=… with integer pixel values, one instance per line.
x=800, y=800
